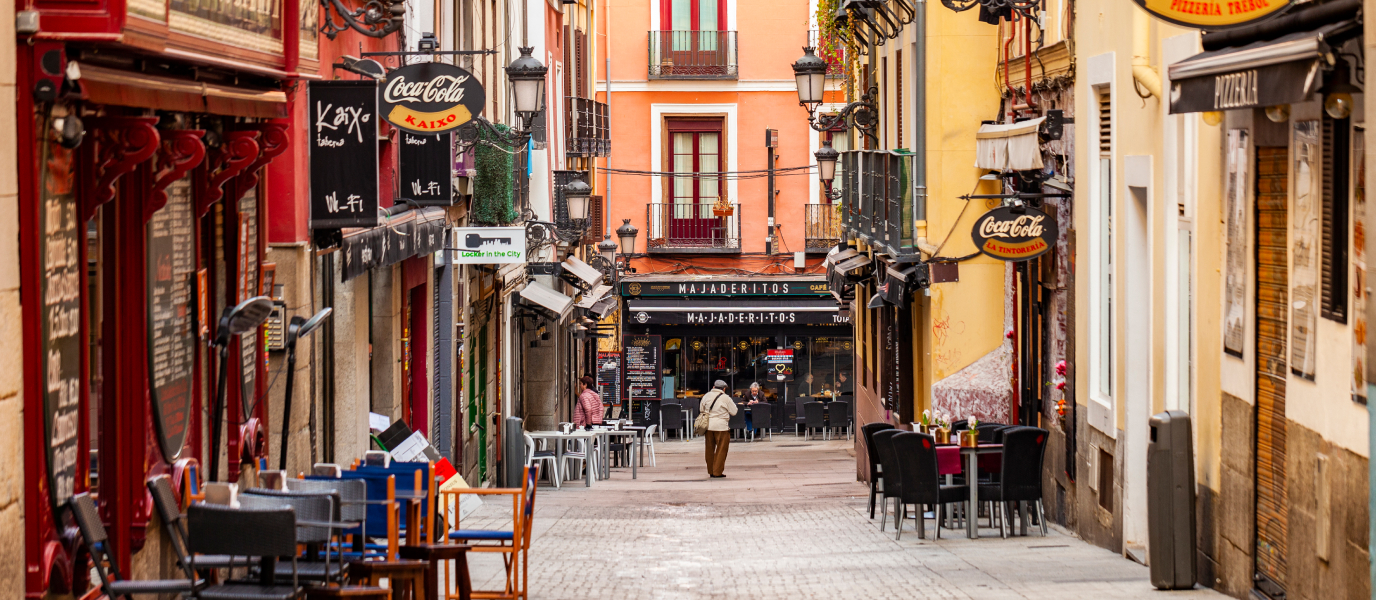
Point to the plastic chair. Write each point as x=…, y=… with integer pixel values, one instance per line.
x=545, y=456
x=917, y=470
x=112, y=582
x=876, y=472
x=893, y=485
x=587, y=459
x=260, y=533
x=1020, y=479
x=761, y=416
x=815, y=418
x=839, y=416
x=650, y=442
x=671, y=417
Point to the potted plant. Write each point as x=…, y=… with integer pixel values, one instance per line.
x=941, y=429
x=722, y=208
x=970, y=438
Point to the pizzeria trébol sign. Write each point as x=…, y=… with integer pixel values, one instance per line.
x=1212, y=14
x=430, y=97
x=1015, y=234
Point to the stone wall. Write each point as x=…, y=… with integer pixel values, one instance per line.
x=11, y=351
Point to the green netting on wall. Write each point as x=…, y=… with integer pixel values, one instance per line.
x=492, y=185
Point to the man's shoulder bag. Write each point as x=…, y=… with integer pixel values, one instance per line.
x=704, y=417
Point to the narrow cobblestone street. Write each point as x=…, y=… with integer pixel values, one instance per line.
x=789, y=521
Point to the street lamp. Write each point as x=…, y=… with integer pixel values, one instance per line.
x=237, y=320
x=296, y=329
x=527, y=77
x=810, y=74
x=826, y=162
x=607, y=248
x=576, y=194
x=627, y=233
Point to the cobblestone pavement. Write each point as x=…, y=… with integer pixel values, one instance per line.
x=789, y=521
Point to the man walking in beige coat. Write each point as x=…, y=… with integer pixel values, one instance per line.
x=718, y=407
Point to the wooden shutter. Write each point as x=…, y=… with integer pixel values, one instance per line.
x=595, y=221
x=1105, y=121
x=1333, y=221
x=898, y=93
x=1272, y=508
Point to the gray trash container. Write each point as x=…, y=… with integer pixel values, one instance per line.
x=513, y=452
x=1170, y=501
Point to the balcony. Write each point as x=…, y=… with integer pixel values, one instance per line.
x=587, y=128
x=694, y=228
x=836, y=59
x=877, y=198
x=693, y=55
x=821, y=226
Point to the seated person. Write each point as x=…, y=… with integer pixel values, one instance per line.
x=755, y=395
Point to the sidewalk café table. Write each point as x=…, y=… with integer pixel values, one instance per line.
x=559, y=437
x=640, y=436
x=635, y=439
x=972, y=479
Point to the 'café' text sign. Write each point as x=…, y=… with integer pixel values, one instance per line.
x=1015, y=234
x=60, y=235
x=430, y=97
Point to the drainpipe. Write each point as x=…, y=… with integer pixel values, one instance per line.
x=920, y=129
x=1142, y=72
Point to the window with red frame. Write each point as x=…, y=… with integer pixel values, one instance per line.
x=695, y=148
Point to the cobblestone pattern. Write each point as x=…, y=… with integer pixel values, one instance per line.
x=788, y=522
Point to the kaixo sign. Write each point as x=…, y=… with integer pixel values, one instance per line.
x=430, y=97
x=1015, y=234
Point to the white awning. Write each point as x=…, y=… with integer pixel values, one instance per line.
x=547, y=298
x=589, y=277
x=1009, y=146
x=587, y=299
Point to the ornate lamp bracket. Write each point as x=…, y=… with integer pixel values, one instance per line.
x=374, y=19
x=860, y=114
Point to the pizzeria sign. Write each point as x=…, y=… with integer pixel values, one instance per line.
x=1015, y=233
x=1213, y=15
x=430, y=97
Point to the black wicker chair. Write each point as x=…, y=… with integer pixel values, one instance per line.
x=1020, y=478
x=317, y=525
x=815, y=417
x=893, y=484
x=268, y=534
x=867, y=431
x=762, y=417
x=777, y=408
x=353, y=502
x=920, y=485
x=671, y=417
x=737, y=421
x=170, y=512
x=839, y=416
x=799, y=414
x=112, y=582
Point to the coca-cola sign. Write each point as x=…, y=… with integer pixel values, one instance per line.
x=430, y=97
x=1015, y=233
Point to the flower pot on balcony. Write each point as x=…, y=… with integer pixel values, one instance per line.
x=723, y=212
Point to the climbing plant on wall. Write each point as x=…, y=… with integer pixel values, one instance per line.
x=836, y=43
x=492, y=183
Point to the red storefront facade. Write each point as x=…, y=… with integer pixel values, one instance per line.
x=135, y=236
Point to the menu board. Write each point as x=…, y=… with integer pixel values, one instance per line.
x=248, y=288
x=609, y=378
x=59, y=292
x=171, y=326
x=780, y=364
x=641, y=387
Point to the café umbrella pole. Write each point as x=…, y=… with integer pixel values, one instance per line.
x=240, y=319
x=297, y=329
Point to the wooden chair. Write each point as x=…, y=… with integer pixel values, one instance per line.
x=514, y=543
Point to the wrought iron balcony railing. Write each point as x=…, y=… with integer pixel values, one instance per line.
x=821, y=226
x=693, y=55
x=836, y=58
x=694, y=227
x=587, y=127
x=877, y=197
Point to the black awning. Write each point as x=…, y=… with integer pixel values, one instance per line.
x=1284, y=70
x=413, y=233
x=745, y=311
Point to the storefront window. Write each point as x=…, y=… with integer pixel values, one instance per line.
x=822, y=366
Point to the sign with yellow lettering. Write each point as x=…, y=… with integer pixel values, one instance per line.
x=1212, y=15
x=1015, y=233
x=430, y=97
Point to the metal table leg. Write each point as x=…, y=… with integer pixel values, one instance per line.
x=972, y=511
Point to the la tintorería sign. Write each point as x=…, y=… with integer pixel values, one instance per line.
x=430, y=97
x=1015, y=234
x=1212, y=14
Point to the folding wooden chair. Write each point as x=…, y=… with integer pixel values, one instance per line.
x=514, y=543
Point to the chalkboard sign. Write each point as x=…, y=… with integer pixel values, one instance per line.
x=426, y=168
x=248, y=288
x=609, y=378
x=641, y=355
x=59, y=242
x=171, y=327
x=343, y=154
